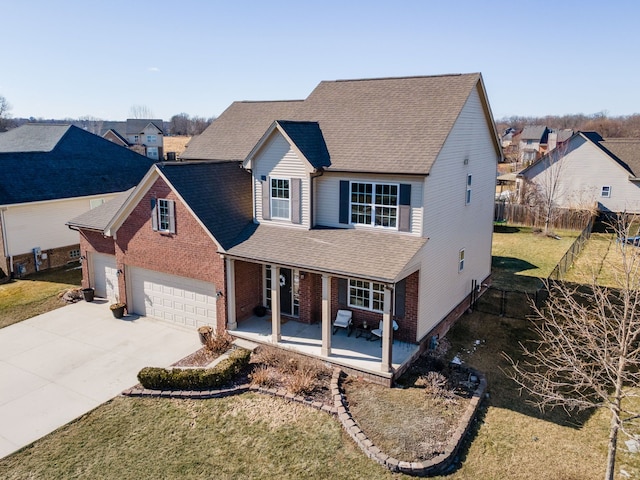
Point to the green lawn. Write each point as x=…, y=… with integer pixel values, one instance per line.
x=38, y=293
x=521, y=257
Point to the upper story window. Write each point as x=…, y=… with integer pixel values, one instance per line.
x=461, y=260
x=152, y=138
x=374, y=204
x=136, y=138
x=366, y=295
x=163, y=215
x=280, y=198
x=468, y=194
x=606, y=191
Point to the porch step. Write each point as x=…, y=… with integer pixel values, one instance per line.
x=246, y=344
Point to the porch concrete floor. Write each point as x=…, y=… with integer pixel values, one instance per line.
x=357, y=353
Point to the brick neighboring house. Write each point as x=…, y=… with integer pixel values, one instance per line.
x=157, y=247
x=145, y=136
x=49, y=173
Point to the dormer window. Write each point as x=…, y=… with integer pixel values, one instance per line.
x=280, y=198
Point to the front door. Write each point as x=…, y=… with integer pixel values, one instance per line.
x=285, y=291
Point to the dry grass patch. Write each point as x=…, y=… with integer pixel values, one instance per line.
x=299, y=375
x=25, y=298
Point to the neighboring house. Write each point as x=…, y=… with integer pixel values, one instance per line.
x=49, y=173
x=558, y=138
x=588, y=172
x=533, y=143
x=367, y=194
x=158, y=247
x=144, y=136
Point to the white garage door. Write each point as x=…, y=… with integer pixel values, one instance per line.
x=104, y=275
x=180, y=300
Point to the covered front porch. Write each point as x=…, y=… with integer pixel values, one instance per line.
x=350, y=351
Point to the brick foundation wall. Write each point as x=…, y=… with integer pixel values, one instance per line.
x=248, y=288
x=56, y=257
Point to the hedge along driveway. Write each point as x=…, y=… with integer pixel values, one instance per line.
x=59, y=365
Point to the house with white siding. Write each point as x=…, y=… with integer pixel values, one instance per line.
x=49, y=173
x=374, y=196
x=588, y=172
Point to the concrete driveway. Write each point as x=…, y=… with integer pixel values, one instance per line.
x=57, y=366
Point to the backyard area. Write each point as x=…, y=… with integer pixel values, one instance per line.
x=522, y=256
x=38, y=293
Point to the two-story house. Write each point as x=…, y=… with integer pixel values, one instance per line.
x=373, y=196
x=144, y=136
x=533, y=143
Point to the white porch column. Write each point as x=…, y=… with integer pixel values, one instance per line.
x=387, y=332
x=232, y=323
x=326, y=316
x=275, y=304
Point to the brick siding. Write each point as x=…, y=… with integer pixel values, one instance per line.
x=248, y=288
x=56, y=257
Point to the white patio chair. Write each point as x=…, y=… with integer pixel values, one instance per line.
x=343, y=320
x=378, y=331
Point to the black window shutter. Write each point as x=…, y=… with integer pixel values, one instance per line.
x=401, y=293
x=344, y=201
x=154, y=215
x=343, y=285
x=296, y=200
x=266, y=199
x=405, y=194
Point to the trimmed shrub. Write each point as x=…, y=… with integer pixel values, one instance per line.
x=155, y=378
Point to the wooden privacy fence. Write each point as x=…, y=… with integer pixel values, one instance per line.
x=561, y=218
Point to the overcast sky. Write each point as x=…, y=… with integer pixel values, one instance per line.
x=66, y=59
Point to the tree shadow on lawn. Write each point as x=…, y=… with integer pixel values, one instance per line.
x=498, y=335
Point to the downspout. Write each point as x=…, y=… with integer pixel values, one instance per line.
x=313, y=176
x=5, y=241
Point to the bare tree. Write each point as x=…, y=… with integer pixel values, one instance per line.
x=587, y=355
x=183, y=124
x=140, y=111
x=5, y=107
x=91, y=124
x=545, y=189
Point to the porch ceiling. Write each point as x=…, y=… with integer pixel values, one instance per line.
x=379, y=256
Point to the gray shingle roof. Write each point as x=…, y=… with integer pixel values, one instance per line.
x=626, y=151
x=218, y=193
x=80, y=164
x=32, y=137
x=98, y=218
x=379, y=125
x=533, y=132
x=381, y=256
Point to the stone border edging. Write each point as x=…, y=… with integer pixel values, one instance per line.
x=340, y=409
x=431, y=467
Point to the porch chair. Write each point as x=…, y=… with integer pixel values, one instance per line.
x=378, y=331
x=343, y=320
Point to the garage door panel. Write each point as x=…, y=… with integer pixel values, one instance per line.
x=179, y=300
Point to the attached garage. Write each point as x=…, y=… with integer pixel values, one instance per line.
x=104, y=275
x=180, y=300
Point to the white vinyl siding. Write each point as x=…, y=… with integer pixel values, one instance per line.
x=327, y=197
x=276, y=159
x=586, y=169
x=43, y=224
x=450, y=224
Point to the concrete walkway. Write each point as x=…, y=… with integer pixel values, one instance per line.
x=57, y=366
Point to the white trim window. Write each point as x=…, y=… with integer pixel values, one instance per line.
x=152, y=152
x=467, y=197
x=163, y=218
x=280, y=198
x=152, y=138
x=606, y=191
x=366, y=295
x=461, y=260
x=374, y=204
